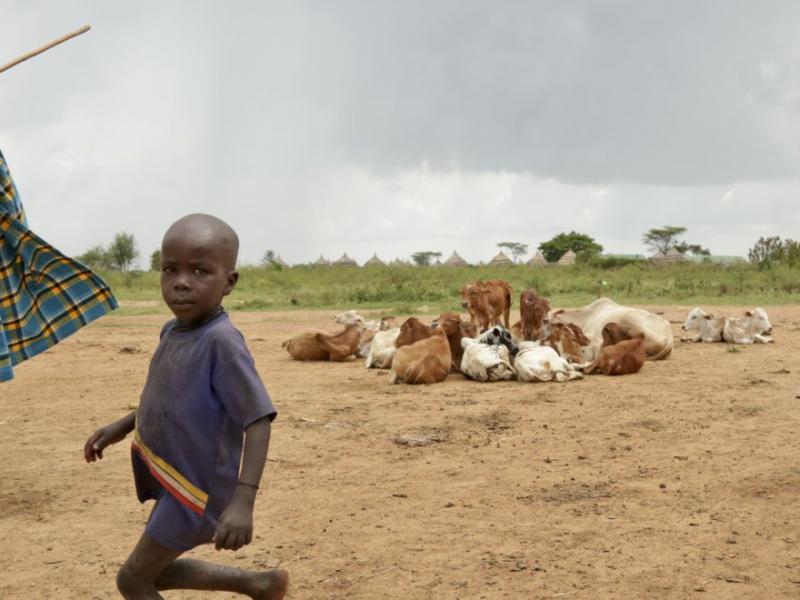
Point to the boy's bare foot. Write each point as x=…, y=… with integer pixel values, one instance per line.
x=271, y=585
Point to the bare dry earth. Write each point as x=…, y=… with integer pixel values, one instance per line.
x=679, y=482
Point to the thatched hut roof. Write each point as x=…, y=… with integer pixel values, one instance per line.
x=568, y=258
x=537, y=260
x=374, y=262
x=455, y=261
x=280, y=262
x=500, y=259
x=345, y=261
x=322, y=262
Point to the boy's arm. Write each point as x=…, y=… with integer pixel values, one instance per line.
x=105, y=436
x=235, y=528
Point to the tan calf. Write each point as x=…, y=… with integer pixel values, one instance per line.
x=322, y=346
x=622, y=358
x=426, y=361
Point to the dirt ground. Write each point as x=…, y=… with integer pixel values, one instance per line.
x=679, y=482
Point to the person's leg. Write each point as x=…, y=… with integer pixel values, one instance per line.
x=152, y=567
x=136, y=578
x=191, y=574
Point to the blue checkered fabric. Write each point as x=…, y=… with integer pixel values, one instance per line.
x=44, y=295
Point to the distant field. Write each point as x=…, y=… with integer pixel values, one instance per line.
x=433, y=289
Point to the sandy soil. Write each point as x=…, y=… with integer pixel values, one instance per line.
x=679, y=482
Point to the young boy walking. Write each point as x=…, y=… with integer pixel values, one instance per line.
x=202, y=408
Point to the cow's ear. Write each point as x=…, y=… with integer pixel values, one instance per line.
x=558, y=312
x=748, y=313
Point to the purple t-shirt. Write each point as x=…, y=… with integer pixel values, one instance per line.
x=202, y=392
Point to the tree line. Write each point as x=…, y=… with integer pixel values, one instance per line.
x=122, y=253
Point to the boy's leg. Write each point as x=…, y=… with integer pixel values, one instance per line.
x=136, y=579
x=152, y=567
x=191, y=574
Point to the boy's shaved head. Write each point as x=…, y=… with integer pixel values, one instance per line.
x=207, y=231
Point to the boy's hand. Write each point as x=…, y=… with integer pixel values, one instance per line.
x=235, y=527
x=105, y=436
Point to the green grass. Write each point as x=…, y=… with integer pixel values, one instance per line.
x=408, y=290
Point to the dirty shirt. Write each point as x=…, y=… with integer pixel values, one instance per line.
x=202, y=392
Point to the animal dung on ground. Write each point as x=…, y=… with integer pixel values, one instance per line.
x=420, y=438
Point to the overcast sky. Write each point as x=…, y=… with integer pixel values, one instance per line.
x=392, y=127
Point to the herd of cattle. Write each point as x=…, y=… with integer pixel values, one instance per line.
x=544, y=345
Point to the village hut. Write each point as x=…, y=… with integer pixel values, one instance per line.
x=568, y=258
x=673, y=255
x=455, y=261
x=321, y=262
x=345, y=261
x=537, y=260
x=375, y=262
x=280, y=262
x=500, y=260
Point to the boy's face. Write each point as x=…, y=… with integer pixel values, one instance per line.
x=195, y=275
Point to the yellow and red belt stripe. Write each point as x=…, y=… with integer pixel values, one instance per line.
x=176, y=484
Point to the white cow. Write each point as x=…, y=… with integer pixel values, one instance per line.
x=349, y=317
x=709, y=328
x=484, y=362
x=541, y=363
x=753, y=328
x=593, y=317
x=352, y=317
x=382, y=349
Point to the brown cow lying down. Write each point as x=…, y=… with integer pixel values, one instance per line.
x=621, y=358
x=412, y=330
x=321, y=346
x=456, y=329
x=426, y=361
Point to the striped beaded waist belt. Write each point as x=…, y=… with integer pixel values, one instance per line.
x=176, y=484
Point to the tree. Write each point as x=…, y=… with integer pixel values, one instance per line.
x=579, y=243
x=155, y=260
x=268, y=258
x=423, y=259
x=772, y=250
x=122, y=251
x=96, y=257
x=665, y=239
x=515, y=248
x=695, y=249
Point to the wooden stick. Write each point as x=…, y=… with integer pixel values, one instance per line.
x=60, y=40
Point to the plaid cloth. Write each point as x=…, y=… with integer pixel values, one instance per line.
x=44, y=295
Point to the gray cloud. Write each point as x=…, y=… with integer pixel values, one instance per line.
x=393, y=127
